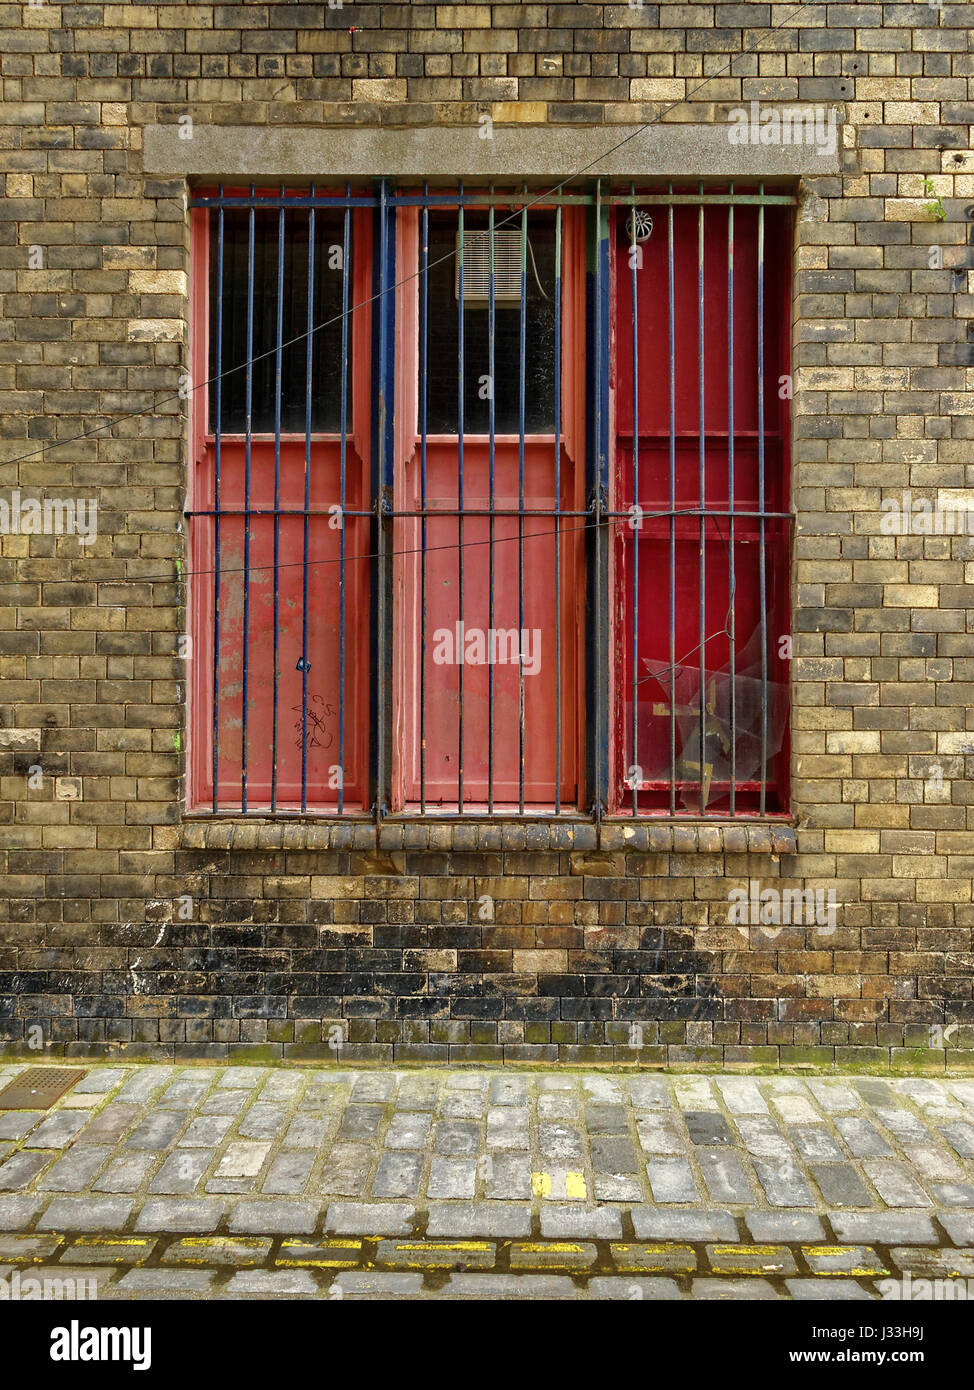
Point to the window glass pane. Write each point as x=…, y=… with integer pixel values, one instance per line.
x=443, y=370
x=326, y=340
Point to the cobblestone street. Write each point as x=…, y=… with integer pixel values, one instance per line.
x=193, y=1182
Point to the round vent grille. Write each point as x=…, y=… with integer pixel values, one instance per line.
x=639, y=226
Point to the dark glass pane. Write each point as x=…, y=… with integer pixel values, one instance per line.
x=326, y=356
x=443, y=371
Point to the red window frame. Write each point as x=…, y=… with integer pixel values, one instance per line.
x=668, y=543
x=442, y=682
x=325, y=789
x=648, y=783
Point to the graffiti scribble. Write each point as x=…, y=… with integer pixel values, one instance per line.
x=319, y=735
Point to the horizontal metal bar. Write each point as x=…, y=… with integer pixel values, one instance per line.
x=628, y=200
x=291, y=436
x=540, y=199
x=571, y=816
x=496, y=511
x=692, y=784
x=664, y=435
x=694, y=511
x=298, y=201
x=279, y=511
x=407, y=200
x=402, y=200
x=293, y=814
x=262, y=437
x=447, y=512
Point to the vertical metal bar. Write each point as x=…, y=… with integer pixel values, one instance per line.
x=558, y=614
x=730, y=503
x=247, y=455
x=308, y=368
x=385, y=305
x=601, y=503
x=460, y=428
x=702, y=599
x=218, y=426
x=762, y=553
x=522, y=400
x=423, y=388
x=343, y=485
x=634, y=254
x=277, y=491
x=492, y=429
x=672, y=363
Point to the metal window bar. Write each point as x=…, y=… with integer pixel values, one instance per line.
x=278, y=368
x=599, y=405
x=763, y=555
x=635, y=253
x=423, y=411
x=522, y=404
x=215, y=732
x=461, y=664
x=343, y=503
x=599, y=516
x=249, y=370
x=731, y=577
x=492, y=484
x=701, y=422
x=671, y=320
x=306, y=536
x=383, y=393
x=557, y=446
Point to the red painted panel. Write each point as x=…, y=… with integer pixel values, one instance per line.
x=542, y=619
x=326, y=594
x=324, y=693
x=707, y=555
x=653, y=317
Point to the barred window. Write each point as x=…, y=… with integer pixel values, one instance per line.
x=490, y=505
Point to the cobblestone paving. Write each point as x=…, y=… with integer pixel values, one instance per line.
x=188, y=1182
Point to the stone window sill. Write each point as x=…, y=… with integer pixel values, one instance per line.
x=759, y=837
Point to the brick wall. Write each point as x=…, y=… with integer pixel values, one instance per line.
x=125, y=929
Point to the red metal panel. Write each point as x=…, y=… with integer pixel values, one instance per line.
x=541, y=619
x=443, y=615
x=652, y=756
x=324, y=693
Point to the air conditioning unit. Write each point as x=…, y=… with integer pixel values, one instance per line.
x=476, y=268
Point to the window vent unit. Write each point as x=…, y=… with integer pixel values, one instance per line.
x=476, y=268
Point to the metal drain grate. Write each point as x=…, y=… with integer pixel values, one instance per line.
x=38, y=1088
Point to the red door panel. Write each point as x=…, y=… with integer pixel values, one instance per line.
x=535, y=757
x=545, y=625
x=321, y=758
x=324, y=771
